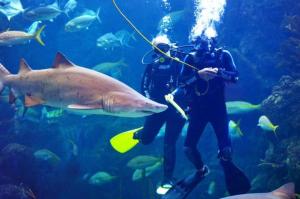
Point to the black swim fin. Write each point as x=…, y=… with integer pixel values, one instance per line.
x=236, y=181
x=184, y=186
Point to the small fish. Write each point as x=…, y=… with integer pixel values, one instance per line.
x=108, y=41
x=10, y=38
x=234, y=129
x=52, y=114
x=47, y=155
x=124, y=37
x=11, y=8
x=211, y=188
x=111, y=68
x=101, y=178
x=139, y=174
x=33, y=27
x=239, y=107
x=143, y=161
x=286, y=191
x=43, y=13
x=270, y=164
x=266, y=124
x=70, y=6
x=151, y=169
x=83, y=21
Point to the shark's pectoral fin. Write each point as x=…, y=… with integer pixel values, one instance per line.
x=32, y=101
x=84, y=106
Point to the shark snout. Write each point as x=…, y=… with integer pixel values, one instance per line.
x=131, y=105
x=154, y=107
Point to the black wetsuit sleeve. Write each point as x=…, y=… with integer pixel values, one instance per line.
x=176, y=69
x=146, y=81
x=187, y=75
x=228, y=71
x=186, y=78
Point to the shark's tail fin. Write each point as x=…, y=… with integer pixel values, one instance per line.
x=288, y=190
x=37, y=35
x=3, y=72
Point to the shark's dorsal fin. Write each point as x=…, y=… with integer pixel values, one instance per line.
x=287, y=189
x=24, y=67
x=61, y=61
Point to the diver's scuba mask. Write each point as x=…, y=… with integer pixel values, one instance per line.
x=204, y=44
x=163, y=47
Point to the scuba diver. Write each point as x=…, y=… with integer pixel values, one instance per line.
x=205, y=90
x=160, y=78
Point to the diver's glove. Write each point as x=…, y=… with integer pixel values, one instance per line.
x=170, y=98
x=228, y=75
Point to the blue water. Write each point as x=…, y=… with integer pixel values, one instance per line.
x=256, y=33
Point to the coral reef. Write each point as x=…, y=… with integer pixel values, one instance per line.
x=17, y=162
x=15, y=192
x=283, y=107
x=282, y=161
x=289, y=52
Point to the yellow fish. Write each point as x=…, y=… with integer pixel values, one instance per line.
x=10, y=38
x=234, y=129
x=266, y=124
x=240, y=107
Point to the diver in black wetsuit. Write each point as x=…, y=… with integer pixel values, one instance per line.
x=206, y=87
x=205, y=90
x=159, y=79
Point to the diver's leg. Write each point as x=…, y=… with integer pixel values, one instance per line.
x=183, y=187
x=174, y=126
x=219, y=121
x=151, y=128
x=196, y=126
x=236, y=181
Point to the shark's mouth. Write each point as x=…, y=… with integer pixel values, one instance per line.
x=148, y=112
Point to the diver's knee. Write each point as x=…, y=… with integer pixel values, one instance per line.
x=225, y=154
x=145, y=140
x=188, y=150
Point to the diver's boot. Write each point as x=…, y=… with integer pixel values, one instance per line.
x=184, y=186
x=165, y=186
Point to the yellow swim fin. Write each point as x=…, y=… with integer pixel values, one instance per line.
x=124, y=142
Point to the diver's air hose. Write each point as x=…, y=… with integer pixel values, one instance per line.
x=158, y=49
x=147, y=40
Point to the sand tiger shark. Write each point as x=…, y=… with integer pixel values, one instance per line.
x=286, y=191
x=77, y=89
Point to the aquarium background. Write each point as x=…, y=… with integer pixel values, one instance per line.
x=264, y=39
